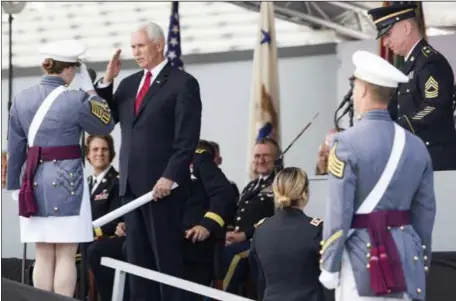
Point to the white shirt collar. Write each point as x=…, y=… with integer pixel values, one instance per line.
x=157, y=69
x=411, y=50
x=100, y=177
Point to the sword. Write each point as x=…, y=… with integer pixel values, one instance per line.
x=279, y=161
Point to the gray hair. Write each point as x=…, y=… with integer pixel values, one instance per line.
x=153, y=30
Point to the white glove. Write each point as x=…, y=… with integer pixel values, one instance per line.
x=329, y=280
x=85, y=82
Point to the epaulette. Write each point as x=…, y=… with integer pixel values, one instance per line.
x=316, y=221
x=260, y=222
x=428, y=50
x=200, y=151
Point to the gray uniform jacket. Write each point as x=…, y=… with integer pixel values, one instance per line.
x=358, y=158
x=58, y=185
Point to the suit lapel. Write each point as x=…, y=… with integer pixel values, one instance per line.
x=132, y=98
x=104, y=183
x=155, y=87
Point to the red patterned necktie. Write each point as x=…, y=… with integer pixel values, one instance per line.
x=142, y=92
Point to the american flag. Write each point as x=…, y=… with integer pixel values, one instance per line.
x=173, y=53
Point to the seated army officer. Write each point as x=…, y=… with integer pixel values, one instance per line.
x=255, y=203
x=205, y=214
x=104, y=186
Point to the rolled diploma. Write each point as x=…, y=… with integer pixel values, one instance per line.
x=121, y=211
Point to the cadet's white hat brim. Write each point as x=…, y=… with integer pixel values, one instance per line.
x=68, y=51
x=375, y=70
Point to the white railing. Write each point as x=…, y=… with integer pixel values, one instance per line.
x=122, y=268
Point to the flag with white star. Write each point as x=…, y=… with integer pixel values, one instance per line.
x=173, y=52
x=264, y=102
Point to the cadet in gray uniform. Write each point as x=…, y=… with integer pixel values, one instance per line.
x=44, y=132
x=381, y=204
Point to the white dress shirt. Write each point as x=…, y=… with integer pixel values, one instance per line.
x=96, y=180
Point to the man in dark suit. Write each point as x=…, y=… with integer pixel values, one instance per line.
x=159, y=110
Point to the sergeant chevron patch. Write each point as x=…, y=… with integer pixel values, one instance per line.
x=335, y=165
x=431, y=88
x=100, y=110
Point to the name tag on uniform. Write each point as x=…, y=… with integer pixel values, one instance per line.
x=102, y=196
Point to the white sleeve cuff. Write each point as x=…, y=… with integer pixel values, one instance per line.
x=329, y=280
x=102, y=85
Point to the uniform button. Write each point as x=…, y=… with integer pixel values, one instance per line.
x=398, y=92
x=54, y=184
x=262, y=199
x=368, y=255
x=238, y=218
x=41, y=161
x=408, y=90
x=368, y=245
x=321, y=261
x=72, y=193
x=56, y=209
x=415, y=258
x=427, y=142
x=418, y=290
x=54, y=160
x=72, y=184
x=425, y=258
x=322, y=243
x=321, y=252
x=424, y=247
x=71, y=174
x=34, y=184
x=236, y=228
x=368, y=266
x=402, y=228
x=426, y=269
x=246, y=202
x=242, y=210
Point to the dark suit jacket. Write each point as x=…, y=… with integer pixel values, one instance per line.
x=161, y=139
x=285, y=253
x=105, y=199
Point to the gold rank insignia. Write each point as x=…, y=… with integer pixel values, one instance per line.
x=101, y=111
x=423, y=113
x=335, y=165
x=431, y=88
x=316, y=221
x=199, y=151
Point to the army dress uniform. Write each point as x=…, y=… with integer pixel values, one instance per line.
x=381, y=204
x=104, y=199
x=285, y=253
x=209, y=205
x=423, y=105
x=255, y=203
x=54, y=202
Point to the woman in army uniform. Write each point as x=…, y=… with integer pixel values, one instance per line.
x=285, y=247
x=45, y=127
